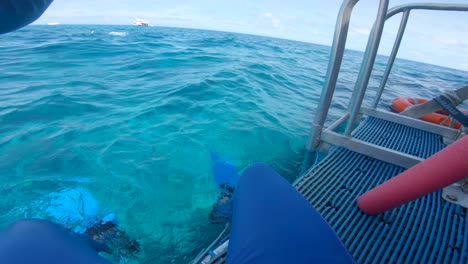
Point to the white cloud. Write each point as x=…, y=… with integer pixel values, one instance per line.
x=418, y=55
x=361, y=31
x=275, y=21
x=463, y=66
x=450, y=41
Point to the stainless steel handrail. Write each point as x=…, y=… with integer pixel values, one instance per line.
x=426, y=6
x=406, y=9
x=366, y=66
x=334, y=65
x=391, y=59
x=337, y=51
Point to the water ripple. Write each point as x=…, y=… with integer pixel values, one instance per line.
x=131, y=115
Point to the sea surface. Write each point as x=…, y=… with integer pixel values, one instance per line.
x=118, y=119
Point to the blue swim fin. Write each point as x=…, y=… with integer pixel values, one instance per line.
x=223, y=171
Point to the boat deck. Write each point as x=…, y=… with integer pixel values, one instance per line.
x=427, y=230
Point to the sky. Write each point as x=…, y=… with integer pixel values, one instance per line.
x=439, y=38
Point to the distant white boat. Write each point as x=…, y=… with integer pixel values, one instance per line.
x=140, y=23
x=53, y=23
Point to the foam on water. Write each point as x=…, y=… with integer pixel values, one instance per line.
x=132, y=121
x=117, y=33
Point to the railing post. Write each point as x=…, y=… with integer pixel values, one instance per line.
x=336, y=56
x=391, y=59
x=367, y=65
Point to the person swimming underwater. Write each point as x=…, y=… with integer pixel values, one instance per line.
x=226, y=177
x=264, y=233
x=43, y=241
x=113, y=239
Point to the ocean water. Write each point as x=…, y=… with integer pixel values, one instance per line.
x=118, y=119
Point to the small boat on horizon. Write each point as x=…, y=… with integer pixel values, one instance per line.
x=140, y=23
x=53, y=23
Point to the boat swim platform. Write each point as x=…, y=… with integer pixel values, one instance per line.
x=427, y=230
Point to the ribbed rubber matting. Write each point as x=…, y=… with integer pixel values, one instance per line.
x=427, y=230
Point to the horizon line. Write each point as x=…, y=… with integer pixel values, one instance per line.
x=242, y=33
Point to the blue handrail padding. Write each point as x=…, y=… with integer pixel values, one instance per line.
x=273, y=223
x=15, y=14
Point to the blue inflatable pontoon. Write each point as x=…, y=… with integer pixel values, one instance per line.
x=273, y=223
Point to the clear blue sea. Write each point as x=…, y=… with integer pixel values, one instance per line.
x=119, y=119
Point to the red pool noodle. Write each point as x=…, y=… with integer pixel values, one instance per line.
x=441, y=169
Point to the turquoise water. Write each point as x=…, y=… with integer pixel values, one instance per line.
x=122, y=119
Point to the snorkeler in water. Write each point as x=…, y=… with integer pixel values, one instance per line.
x=114, y=240
x=42, y=241
x=226, y=176
x=222, y=209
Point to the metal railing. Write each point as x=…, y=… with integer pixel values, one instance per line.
x=319, y=134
